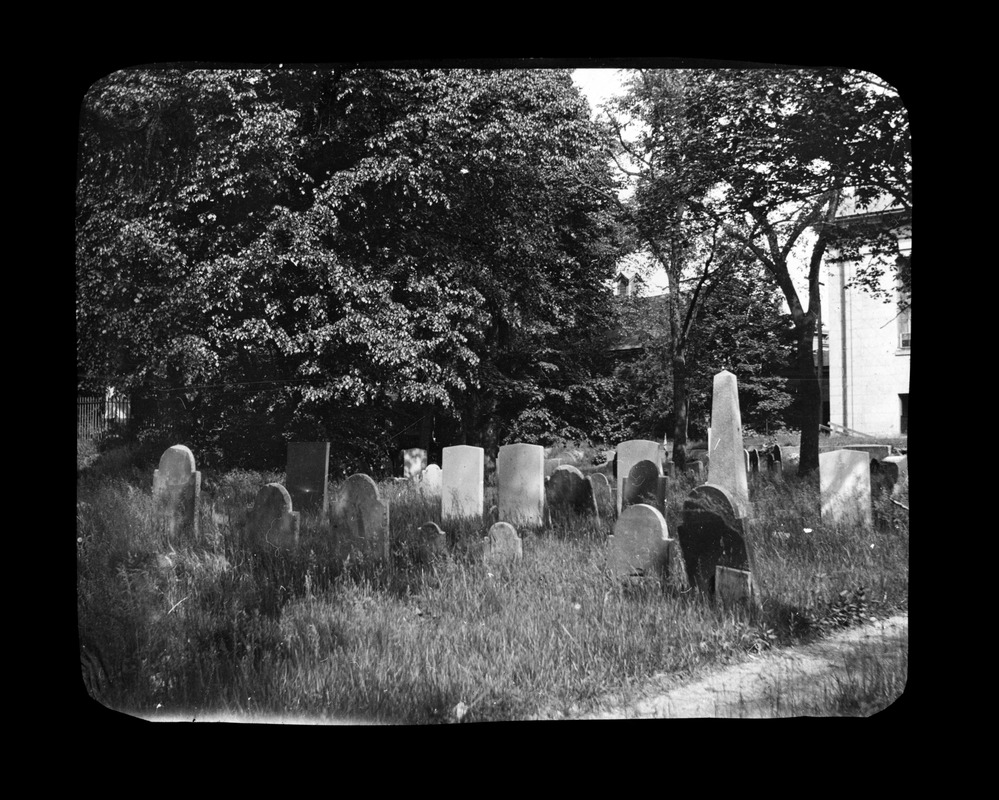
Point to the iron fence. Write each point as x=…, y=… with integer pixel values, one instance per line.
x=96, y=415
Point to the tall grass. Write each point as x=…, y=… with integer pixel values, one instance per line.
x=211, y=626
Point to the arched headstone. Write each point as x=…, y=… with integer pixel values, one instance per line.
x=568, y=488
x=177, y=492
x=271, y=523
x=713, y=533
x=359, y=517
x=645, y=484
x=630, y=453
x=639, y=547
x=502, y=545
x=603, y=495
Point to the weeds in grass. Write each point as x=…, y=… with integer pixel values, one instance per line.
x=211, y=625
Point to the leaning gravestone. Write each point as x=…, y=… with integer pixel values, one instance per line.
x=462, y=474
x=845, y=487
x=630, y=453
x=568, y=489
x=727, y=463
x=640, y=545
x=645, y=484
x=414, y=461
x=502, y=546
x=713, y=533
x=359, y=518
x=177, y=492
x=520, y=484
x=430, y=480
x=603, y=495
x=271, y=524
x=307, y=475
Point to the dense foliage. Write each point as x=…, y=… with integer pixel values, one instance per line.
x=334, y=253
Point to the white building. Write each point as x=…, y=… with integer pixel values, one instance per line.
x=869, y=342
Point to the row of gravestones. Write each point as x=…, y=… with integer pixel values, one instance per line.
x=714, y=514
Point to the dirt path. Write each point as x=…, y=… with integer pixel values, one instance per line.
x=748, y=689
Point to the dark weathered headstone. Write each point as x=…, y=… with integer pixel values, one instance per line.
x=713, y=533
x=177, y=493
x=271, y=524
x=307, y=475
x=568, y=489
x=639, y=547
x=502, y=546
x=775, y=452
x=754, y=460
x=694, y=469
x=630, y=453
x=645, y=484
x=359, y=518
x=429, y=544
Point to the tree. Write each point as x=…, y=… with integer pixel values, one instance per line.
x=299, y=246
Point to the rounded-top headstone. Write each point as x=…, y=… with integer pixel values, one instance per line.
x=503, y=544
x=361, y=487
x=643, y=475
x=715, y=499
x=567, y=486
x=272, y=500
x=176, y=464
x=640, y=541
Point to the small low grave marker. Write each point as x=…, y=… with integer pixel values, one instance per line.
x=713, y=533
x=640, y=545
x=462, y=488
x=359, y=517
x=845, y=487
x=177, y=492
x=430, y=480
x=645, y=484
x=271, y=524
x=734, y=587
x=307, y=475
x=520, y=484
x=429, y=544
x=502, y=546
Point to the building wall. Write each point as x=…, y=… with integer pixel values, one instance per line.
x=868, y=367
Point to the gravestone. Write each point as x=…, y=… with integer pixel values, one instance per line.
x=271, y=524
x=502, y=546
x=734, y=587
x=462, y=474
x=754, y=460
x=695, y=469
x=726, y=467
x=520, y=484
x=875, y=451
x=414, y=461
x=177, y=492
x=645, y=484
x=775, y=452
x=713, y=533
x=359, y=518
x=845, y=487
x=550, y=465
x=568, y=488
x=430, y=480
x=429, y=544
x=603, y=495
x=744, y=450
x=630, y=453
x=640, y=545
x=896, y=467
x=307, y=475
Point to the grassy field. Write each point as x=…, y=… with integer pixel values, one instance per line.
x=210, y=627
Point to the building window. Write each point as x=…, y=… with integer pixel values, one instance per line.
x=904, y=421
x=905, y=312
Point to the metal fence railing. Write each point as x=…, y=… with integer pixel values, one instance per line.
x=96, y=415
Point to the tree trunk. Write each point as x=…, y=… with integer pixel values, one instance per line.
x=809, y=398
x=681, y=404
